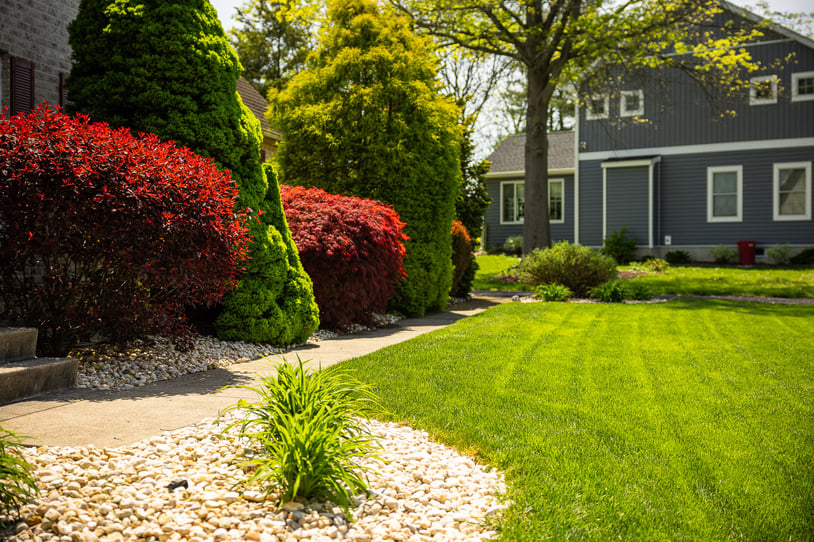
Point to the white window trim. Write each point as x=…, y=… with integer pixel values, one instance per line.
x=635, y=113
x=562, y=182
x=776, y=191
x=589, y=113
x=502, y=184
x=738, y=197
x=753, y=99
x=794, y=78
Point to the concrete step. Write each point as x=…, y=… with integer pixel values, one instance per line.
x=17, y=343
x=25, y=378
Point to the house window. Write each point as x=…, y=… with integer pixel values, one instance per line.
x=725, y=194
x=632, y=103
x=802, y=86
x=597, y=107
x=556, y=198
x=763, y=90
x=792, y=191
x=512, y=202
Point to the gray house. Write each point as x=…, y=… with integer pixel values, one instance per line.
x=655, y=158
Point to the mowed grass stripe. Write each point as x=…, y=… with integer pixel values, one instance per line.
x=690, y=420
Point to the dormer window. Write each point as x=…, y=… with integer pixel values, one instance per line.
x=597, y=108
x=763, y=90
x=632, y=103
x=802, y=86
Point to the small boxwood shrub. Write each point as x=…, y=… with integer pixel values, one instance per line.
x=464, y=265
x=102, y=232
x=619, y=246
x=724, y=254
x=574, y=266
x=553, y=292
x=677, y=257
x=352, y=248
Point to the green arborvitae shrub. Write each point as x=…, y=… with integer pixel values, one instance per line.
x=367, y=119
x=619, y=246
x=166, y=67
x=574, y=266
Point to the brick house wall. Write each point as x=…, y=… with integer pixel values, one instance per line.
x=34, y=53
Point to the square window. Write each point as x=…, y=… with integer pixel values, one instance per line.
x=512, y=201
x=802, y=86
x=763, y=90
x=597, y=108
x=632, y=103
x=724, y=194
x=792, y=191
x=556, y=198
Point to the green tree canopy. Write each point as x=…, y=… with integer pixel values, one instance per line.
x=165, y=67
x=579, y=43
x=367, y=119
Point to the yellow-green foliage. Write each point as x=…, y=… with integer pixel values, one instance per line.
x=165, y=67
x=367, y=119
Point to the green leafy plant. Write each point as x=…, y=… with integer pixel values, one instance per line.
x=619, y=246
x=677, y=257
x=513, y=244
x=613, y=291
x=779, y=254
x=652, y=265
x=638, y=291
x=17, y=483
x=554, y=292
x=723, y=254
x=575, y=266
x=309, y=427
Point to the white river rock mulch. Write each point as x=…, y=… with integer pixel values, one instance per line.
x=423, y=491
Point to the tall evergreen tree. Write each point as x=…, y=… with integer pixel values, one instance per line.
x=165, y=67
x=367, y=119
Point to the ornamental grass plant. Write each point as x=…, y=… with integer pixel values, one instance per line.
x=308, y=431
x=17, y=483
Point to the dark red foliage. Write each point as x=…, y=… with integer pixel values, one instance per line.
x=102, y=232
x=461, y=258
x=351, y=247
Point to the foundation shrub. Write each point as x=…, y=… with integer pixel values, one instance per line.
x=464, y=265
x=724, y=254
x=619, y=246
x=105, y=233
x=353, y=250
x=577, y=267
x=677, y=257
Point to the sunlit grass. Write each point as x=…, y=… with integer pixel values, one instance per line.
x=688, y=420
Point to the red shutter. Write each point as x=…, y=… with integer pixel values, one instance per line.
x=22, y=85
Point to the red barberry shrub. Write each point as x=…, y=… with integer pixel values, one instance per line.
x=105, y=233
x=463, y=261
x=351, y=247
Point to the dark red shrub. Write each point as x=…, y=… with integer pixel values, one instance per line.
x=463, y=261
x=102, y=232
x=351, y=247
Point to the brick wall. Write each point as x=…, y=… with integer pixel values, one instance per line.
x=36, y=31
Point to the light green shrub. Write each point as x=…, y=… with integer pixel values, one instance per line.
x=724, y=254
x=513, y=244
x=577, y=267
x=779, y=254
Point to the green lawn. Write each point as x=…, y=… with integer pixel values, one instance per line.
x=492, y=265
x=756, y=281
x=688, y=420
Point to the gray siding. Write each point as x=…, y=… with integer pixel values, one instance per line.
x=627, y=201
x=496, y=233
x=679, y=112
x=680, y=206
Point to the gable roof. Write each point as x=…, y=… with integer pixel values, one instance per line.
x=258, y=105
x=782, y=30
x=509, y=156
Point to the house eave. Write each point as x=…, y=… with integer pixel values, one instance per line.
x=522, y=173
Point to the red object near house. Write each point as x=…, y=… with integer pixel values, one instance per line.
x=746, y=252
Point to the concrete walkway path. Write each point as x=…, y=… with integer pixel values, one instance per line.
x=81, y=417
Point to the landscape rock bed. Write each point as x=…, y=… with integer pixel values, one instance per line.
x=423, y=491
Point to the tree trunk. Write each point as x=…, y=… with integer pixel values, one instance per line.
x=536, y=227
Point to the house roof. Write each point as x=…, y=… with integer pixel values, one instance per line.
x=258, y=105
x=510, y=154
x=782, y=30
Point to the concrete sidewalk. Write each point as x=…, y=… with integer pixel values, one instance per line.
x=81, y=417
